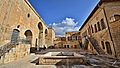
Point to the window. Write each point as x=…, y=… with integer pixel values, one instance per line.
x=69, y=38
x=117, y=17
x=92, y=29
x=28, y=15
x=64, y=46
x=102, y=43
x=18, y=26
x=95, y=28
x=109, y=51
x=98, y=24
x=114, y=18
x=67, y=46
x=89, y=30
x=103, y=24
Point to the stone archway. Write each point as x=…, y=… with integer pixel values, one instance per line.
x=28, y=34
x=40, y=36
x=15, y=36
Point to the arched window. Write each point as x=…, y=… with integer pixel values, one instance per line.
x=40, y=26
x=103, y=24
x=98, y=24
x=95, y=28
x=92, y=29
x=108, y=47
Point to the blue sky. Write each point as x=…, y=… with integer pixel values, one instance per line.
x=64, y=15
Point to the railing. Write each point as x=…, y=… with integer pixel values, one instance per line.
x=95, y=44
x=7, y=47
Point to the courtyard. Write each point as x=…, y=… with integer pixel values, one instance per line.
x=86, y=60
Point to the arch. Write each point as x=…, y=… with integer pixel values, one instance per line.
x=108, y=47
x=40, y=26
x=28, y=34
x=15, y=36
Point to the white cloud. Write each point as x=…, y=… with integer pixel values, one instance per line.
x=66, y=25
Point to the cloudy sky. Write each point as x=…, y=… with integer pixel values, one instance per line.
x=66, y=25
x=64, y=15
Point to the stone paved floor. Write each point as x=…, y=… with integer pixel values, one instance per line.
x=25, y=63
x=95, y=61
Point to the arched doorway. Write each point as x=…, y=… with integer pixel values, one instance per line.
x=40, y=35
x=15, y=36
x=108, y=47
x=28, y=35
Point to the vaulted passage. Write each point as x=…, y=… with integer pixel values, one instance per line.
x=28, y=35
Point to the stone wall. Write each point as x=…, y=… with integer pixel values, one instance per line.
x=103, y=36
x=112, y=9
x=16, y=53
x=20, y=15
x=19, y=21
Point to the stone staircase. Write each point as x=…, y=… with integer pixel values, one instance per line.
x=12, y=51
x=6, y=48
x=95, y=44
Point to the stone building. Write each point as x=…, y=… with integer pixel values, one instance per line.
x=71, y=40
x=21, y=25
x=101, y=31
x=59, y=42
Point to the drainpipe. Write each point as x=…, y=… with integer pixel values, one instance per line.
x=110, y=32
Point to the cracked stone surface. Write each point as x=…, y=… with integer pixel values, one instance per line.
x=92, y=61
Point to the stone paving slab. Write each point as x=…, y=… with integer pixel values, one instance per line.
x=25, y=63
